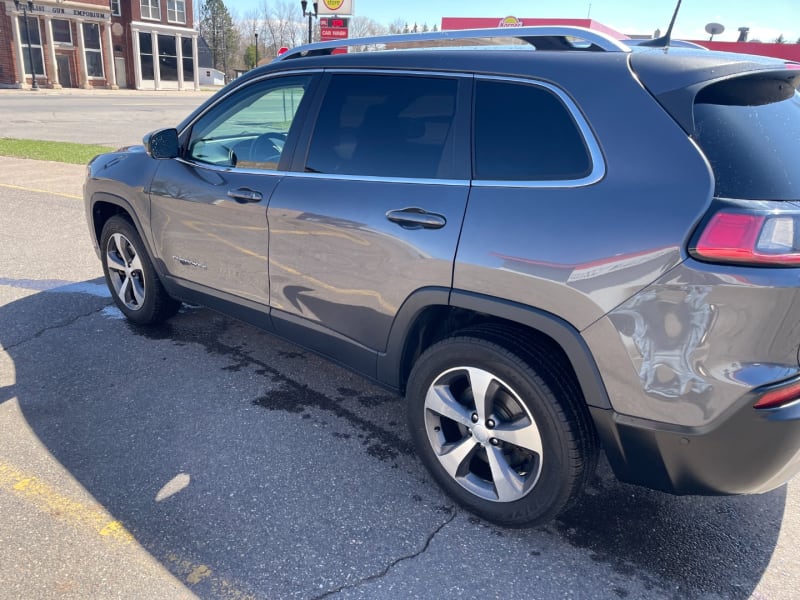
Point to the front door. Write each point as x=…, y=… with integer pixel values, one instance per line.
x=119, y=69
x=64, y=70
x=373, y=211
x=209, y=207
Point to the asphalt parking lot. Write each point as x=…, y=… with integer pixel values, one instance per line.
x=207, y=459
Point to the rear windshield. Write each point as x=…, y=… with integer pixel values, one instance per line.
x=750, y=132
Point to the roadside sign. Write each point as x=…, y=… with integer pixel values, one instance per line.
x=335, y=7
x=333, y=28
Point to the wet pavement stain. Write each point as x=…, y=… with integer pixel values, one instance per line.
x=294, y=397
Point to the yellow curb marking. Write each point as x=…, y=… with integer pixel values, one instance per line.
x=48, y=500
x=27, y=189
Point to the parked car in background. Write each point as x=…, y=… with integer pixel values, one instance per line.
x=554, y=248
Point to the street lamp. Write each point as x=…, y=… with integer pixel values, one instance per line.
x=25, y=8
x=309, y=14
x=255, y=33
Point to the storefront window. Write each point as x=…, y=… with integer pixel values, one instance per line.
x=146, y=54
x=94, y=56
x=176, y=11
x=35, y=44
x=167, y=58
x=151, y=9
x=62, y=31
x=188, y=61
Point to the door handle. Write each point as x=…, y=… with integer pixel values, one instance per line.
x=416, y=218
x=245, y=195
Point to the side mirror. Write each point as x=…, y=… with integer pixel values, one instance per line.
x=161, y=143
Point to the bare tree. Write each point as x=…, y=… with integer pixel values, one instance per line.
x=365, y=27
x=396, y=26
x=278, y=24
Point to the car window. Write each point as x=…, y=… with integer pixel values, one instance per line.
x=385, y=126
x=249, y=129
x=525, y=133
x=749, y=131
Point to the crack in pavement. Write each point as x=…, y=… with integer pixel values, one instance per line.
x=53, y=327
x=394, y=563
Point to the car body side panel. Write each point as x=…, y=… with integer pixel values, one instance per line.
x=688, y=347
x=337, y=261
x=204, y=236
x=121, y=178
x=577, y=252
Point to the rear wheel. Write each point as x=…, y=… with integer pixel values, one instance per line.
x=501, y=439
x=130, y=275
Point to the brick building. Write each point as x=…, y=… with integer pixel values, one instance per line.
x=144, y=29
x=142, y=44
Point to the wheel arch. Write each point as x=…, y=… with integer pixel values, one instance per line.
x=104, y=206
x=432, y=314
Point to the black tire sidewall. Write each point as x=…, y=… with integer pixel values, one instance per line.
x=553, y=489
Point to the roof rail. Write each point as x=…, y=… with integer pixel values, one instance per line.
x=542, y=38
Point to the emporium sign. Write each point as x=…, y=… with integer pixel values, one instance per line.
x=335, y=7
x=65, y=11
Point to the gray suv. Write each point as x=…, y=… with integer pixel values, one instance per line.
x=555, y=245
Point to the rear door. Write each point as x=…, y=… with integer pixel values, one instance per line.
x=372, y=211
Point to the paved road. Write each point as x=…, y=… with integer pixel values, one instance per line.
x=205, y=458
x=109, y=118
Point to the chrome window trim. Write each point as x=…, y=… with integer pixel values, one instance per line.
x=296, y=174
x=598, y=171
x=378, y=179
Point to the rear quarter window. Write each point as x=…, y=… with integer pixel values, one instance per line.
x=526, y=133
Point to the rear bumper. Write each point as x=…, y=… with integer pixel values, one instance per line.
x=747, y=451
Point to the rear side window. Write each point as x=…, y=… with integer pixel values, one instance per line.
x=749, y=129
x=385, y=126
x=525, y=133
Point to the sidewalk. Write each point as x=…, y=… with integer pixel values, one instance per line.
x=62, y=179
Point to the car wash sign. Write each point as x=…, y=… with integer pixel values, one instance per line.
x=333, y=28
x=335, y=7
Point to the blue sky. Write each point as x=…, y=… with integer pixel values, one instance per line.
x=766, y=18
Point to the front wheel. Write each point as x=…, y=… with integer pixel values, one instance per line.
x=130, y=275
x=495, y=434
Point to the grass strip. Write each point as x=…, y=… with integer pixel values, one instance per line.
x=66, y=152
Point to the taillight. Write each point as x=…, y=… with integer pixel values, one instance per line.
x=750, y=237
x=779, y=396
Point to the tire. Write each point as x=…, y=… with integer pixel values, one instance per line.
x=517, y=453
x=130, y=275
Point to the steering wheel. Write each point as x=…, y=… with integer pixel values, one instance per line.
x=267, y=147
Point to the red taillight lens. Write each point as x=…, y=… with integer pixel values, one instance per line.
x=780, y=396
x=751, y=238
